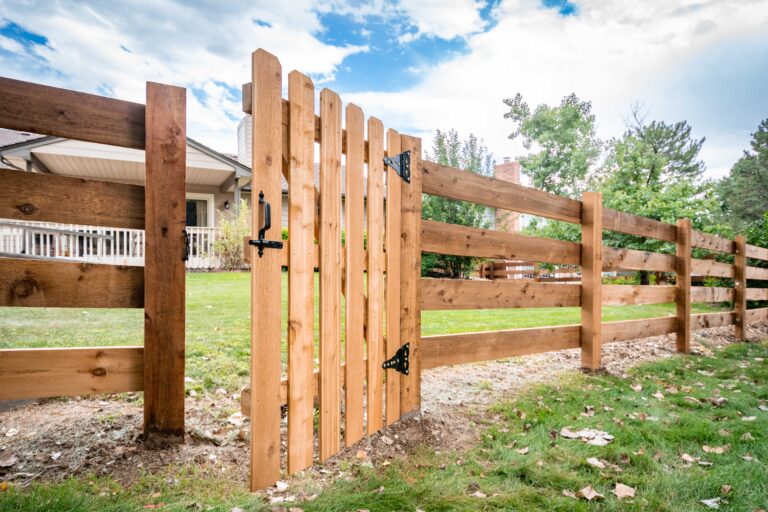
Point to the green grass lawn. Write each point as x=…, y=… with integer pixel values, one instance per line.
x=660, y=414
x=218, y=325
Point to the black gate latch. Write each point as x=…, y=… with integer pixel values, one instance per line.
x=401, y=164
x=261, y=242
x=399, y=361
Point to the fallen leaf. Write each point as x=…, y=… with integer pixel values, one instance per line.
x=8, y=460
x=718, y=401
x=747, y=437
x=592, y=461
x=725, y=489
x=281, y=486
x=478, y=494
x=235, y=509
x=11, y=432
x=704, y=463
x=387, y=441
x=712, y=503
x=589, y=493
x=624, y=491
x=747, y=458
x=4, y=486
x=716, y=449
x=569, y=494
x=636, y=387
x=724, y=432
x=658, y=396
x=692, y=400
x=763, y=407
x=522, y=451
x=55, y=455
x=361, y=454
x=236, y=419
x=748, y=418
x=688, y=458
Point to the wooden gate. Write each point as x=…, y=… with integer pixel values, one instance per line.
x=364, y=242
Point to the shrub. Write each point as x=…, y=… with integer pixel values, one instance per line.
x=234, y=226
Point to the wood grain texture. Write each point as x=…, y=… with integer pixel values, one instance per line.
x=683, y=286
x=410, y=290
x=164, y=273
x=757, y=293
x=629, y=259
x=60, y=284
x=476, y=294
x=302, y=260
x=376, y=260
x=757, y=315
x=635, y=225
x=441, y=180
x=591, y=279
x=711, y=268
x=330, y=274
x=265, y=274
x=394, y=280
x=757, y=273
x=711, y=294
x=49, y=198
x=740, y=286
x=758, y=253
x=49, y=372
x=635, y=329
x=355, y=268
x=626, y=294
x=707, y=320
x=712, y=242
x=450, y=349
x=29, y=107
x=442, y=238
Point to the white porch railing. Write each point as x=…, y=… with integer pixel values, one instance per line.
x=95, y=244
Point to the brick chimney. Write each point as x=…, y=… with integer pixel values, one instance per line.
x=507, y=171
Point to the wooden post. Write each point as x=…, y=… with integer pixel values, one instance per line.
x=394, y=280
x=265, y=273
x=683, y=280
x=410, y=289
x=591, y=279
x=740, y=285
x=164, y=277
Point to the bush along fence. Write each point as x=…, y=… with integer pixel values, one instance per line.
x=383, y=311
x=27, y=280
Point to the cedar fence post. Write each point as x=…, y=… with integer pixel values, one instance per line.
x=591, y=279
x=164, y=273
x=740, y=285
x=683, y=284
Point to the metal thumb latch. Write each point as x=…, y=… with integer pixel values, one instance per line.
x=398, y=362
x=401, y=164
x=261, y=242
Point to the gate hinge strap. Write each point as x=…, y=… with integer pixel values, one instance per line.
x=401, y=164
x=398, y=362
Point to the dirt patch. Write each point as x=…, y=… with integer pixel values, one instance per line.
x=52, y=439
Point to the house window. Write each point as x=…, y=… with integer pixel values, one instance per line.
x=200, y=210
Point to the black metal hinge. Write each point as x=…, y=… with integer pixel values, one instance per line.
x=398, y=362
x=401, y=164
x=262, y=243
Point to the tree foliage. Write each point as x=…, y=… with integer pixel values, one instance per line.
x=744, y=192
x=472, y=155
x=564, y=146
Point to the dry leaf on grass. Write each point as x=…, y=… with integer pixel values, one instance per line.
x=716, y=449
x=8, y=460
x=569, y=494
x=624, y=491
x=478, y=494
x=748, y=418
x=281, y=486
x=589, y=493
x=592, y=461
x=523, y=451
x=747, y=437
x=712, y=503
x=726, y=489
x=636, y=387
x=658, y=396
x=588, y=435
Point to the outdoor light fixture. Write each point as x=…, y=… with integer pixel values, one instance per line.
x=226, y=204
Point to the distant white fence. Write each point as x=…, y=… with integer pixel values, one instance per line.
x=95, y=244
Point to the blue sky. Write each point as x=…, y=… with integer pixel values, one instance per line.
x=419, y=65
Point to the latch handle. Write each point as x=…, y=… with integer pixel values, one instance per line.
x=262, y=243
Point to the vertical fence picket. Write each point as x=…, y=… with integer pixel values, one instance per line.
x=591, y=279
x=355, y=296
x=330, y=272
x=375, y=341
x=683, y=285
x=301, y=217
x=740, y=284
x=410, y=291
x=265, y=274
x=393, y=278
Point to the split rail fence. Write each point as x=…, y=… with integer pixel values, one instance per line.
x=383, y=311
x=157, y=368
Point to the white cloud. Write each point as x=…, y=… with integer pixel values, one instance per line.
x=445, y=19
x=612, y=53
